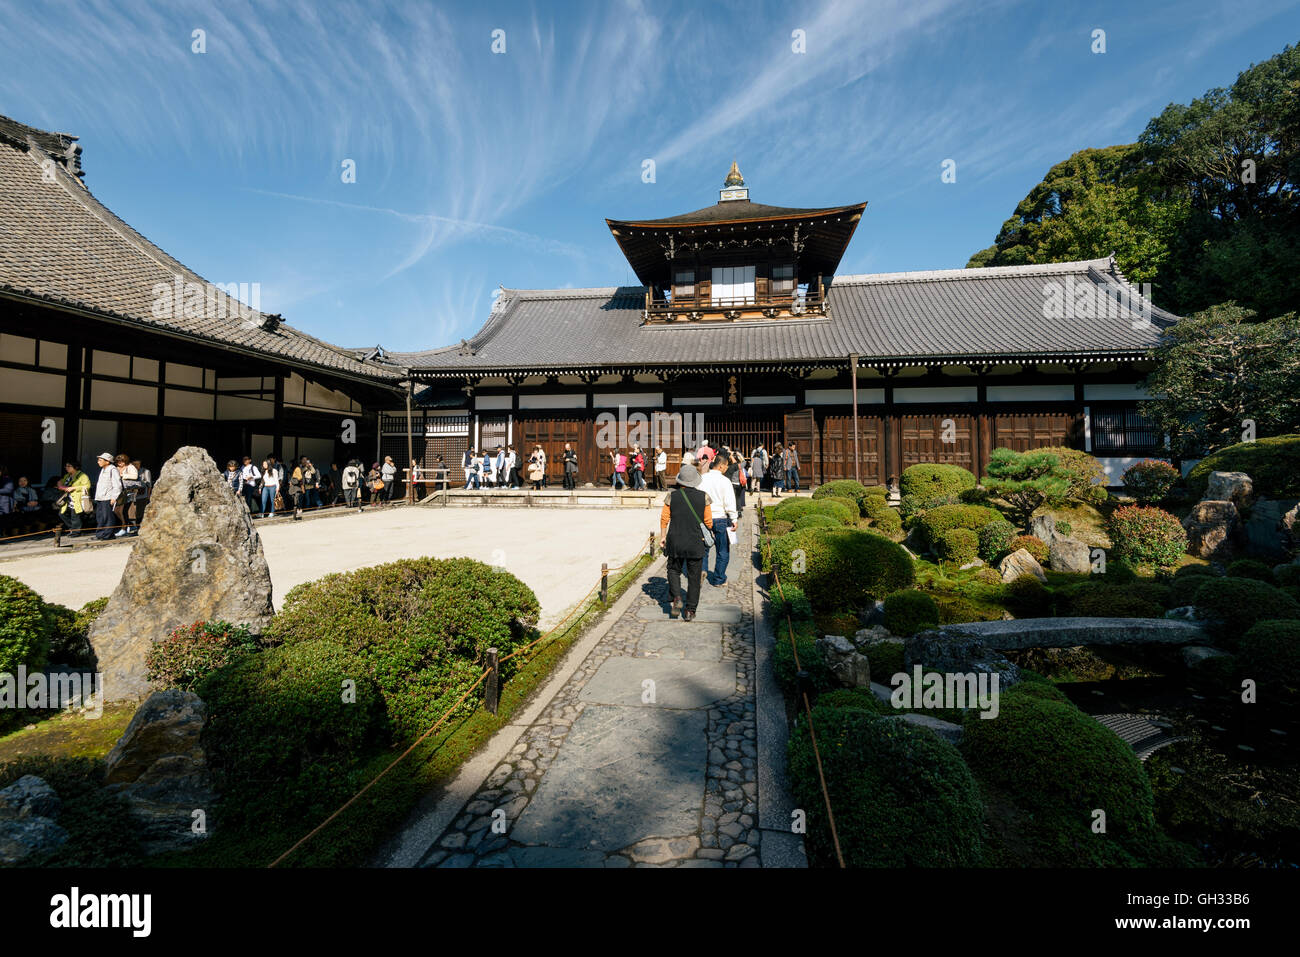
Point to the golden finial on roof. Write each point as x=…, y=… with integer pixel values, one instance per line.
x=733, y=176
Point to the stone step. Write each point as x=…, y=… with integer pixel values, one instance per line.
x=678, y=684
x=726, y=614
x=693, y=640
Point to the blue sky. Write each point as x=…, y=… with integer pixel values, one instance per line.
x=476, y=169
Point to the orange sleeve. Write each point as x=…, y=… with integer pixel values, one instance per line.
x=708, y=514
x=665, y=515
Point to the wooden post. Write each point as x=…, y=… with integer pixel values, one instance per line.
x=604, y=583
x=492, y=688
x=410, y=446
x=853, y=371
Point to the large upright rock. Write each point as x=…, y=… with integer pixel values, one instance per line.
x=1069, y=555
x=1213, y=529
x=197, y=559
x=1020, y=563
x=1235, y=487
x=1270, y=529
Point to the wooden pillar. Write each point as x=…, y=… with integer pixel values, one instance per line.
x=72, y=394
x=410, y=446
x=853, y=371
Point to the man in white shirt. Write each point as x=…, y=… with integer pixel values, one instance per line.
x=107, y=491
x=250, y=483
x=722, y=502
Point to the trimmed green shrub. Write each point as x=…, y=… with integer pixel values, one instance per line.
x=847, y=513
x=1146, y=535
x=1150, y=480
x=793, y=509
x=1287, y=576
x=886, y=659
x=815, y=519
x=1026, y=480
x=1034, y=545
x=1186, y=581
x=778, y=527
x=955, y=609
x=1058, y=764
x=1272, y=463
x=957, y=545
x=938, y=520
x=1251, y=568
x=1120, y=571
x=1044, y=690
x=885, y=519
x=1106, y=599
x=282, y=733
x=188, y=655
x=783, y=659
x=1086, y=475
x=1270, y=653
x=1027, y=597
x=902, y=795
x=70, y=633
x=1233, y=605
x=845, y=488
x=422, y=626
x=842, y=568
x=927, y=481
x=856, y=699
x=910, y=611
x=25, y=627
x=995, y=539
x=791, y=600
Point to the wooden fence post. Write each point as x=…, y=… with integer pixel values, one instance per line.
x=604, y=583
x=492, y=689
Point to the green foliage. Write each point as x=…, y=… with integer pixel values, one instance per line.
x=1150, y=480
x=1034, y=545
x=1186, y=581
x=1233, y=605
x=25, y=627
x=1251, y=568
x=845, y=488
x=1057, y=765
x=1042, y=688
x=793, y=509
x=1065, y=528
x=902, y=795
x=1085, y=474
x=841, y=568
x=1287, y=576
x=816, y=519
x=886, y=659
x=1270, y=653
x=1027, y=597
x=884, y=518
x=939, y=520
x=909, y=611
x=1146, y=535
x=778, y=527
x=995, y=540
x=784, y=665
x=1026, y=480
x=790, y=600
x=1106, y=599
x=928, y=481
x=1273, y=464
x=1220, y=367
x=70, y=633
x=959, y=546
x=188, y=655
x=422, y=627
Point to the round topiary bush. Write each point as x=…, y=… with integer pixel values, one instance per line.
x=936, y=521
x=957, y=545
x=1272, y=463
x=902, y=795
x=778, y=527
x=927, y=481
x=1269, y=652
x=1106, y=599
x=1232, y=605
x=422, y=626
x=995, y=540
x=1027, y=597
x=1058, y=764
x=1034, y=545
x=910, y=611
x=1251, y=568
x=287, y=727
x=850, y=489
x=884, y=518
x=1147, y=535
x=1183, y=586
x=1150, y=480
x=841, y=568
x=188, y=655
x=25, y=627
x=816, y=519
x=1287, y=576
x=791, y=510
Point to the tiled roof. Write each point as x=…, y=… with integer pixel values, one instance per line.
x=733, y=211
x=957, y=315
x=60, y=245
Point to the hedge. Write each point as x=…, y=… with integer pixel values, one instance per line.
x=909, y=611
x=1233, y=605
x=422, y=626
x=25, y=627
x=793, y=509
x=1270, y=653
x=1183, y=586
x=938, y=520
x=790, y=600
x=902, y=796
x=816, y=519
x=778, y=527
x=1272, y=463
x=930, y=480
x=845, y=488
x=188, y=655
x=842, y=568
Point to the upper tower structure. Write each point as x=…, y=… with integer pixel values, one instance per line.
x=737, y=259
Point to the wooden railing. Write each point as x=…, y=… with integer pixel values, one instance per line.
x=811, y=302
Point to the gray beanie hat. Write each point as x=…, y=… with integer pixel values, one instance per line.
x=688, y=476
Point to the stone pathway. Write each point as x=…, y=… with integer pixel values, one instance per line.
x=646, y=757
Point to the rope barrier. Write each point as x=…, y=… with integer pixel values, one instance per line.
x=582, y=605
x=807, y=706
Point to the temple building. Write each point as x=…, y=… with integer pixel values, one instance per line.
x=107, y=343
x=743, y=330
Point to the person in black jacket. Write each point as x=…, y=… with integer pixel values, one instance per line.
x=570, y=467
x=685, y=508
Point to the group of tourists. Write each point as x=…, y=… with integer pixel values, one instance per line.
x=274, y=486
x=778, y=471
x=699, y=517
x=501, y=469
x=111, y=505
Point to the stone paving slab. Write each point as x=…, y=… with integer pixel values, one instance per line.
x=678, y=682
x=726, y=614
x=696, y=640
x=623, y=773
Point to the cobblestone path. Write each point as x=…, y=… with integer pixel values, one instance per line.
x=646, y=757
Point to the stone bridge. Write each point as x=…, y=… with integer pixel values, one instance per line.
x=1021, y=633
